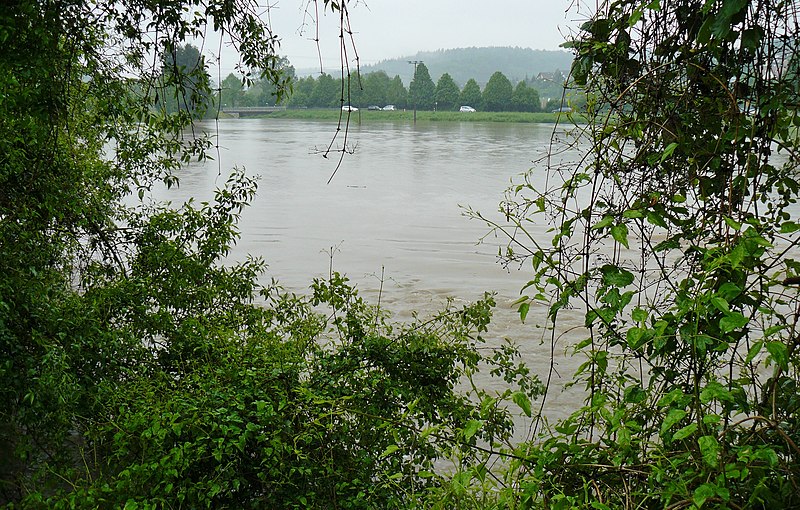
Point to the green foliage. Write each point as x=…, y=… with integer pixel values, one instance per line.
x=397, y=93
x=141, y=369
x=525, y=99
x=674, y=237
x=231, y=91
x=421, y=90
x=497, y=93
x=327, y=92
x=446, y=93
x=184, y=83
x=471, y=93
x=479, y=64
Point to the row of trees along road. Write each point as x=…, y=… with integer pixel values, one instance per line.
x=377, y=88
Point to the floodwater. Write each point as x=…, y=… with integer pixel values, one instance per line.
x=394, y=208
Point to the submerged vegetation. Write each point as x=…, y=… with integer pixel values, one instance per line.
x=139, y=371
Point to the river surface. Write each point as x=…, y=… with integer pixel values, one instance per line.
x=394, y=207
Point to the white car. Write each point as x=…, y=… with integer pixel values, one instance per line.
x=468, y=109
x=348, y=108
x=389, y=108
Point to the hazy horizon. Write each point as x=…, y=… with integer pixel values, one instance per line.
x=381, y=31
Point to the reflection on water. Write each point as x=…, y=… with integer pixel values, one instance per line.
x=394, y=205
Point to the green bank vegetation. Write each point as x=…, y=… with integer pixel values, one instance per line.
x=422, y=116
x=139, y=371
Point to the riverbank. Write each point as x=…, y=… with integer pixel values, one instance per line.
x=363, y=115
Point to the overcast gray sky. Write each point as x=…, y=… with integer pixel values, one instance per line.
x=384, y=29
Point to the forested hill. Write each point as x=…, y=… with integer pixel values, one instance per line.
x=478, y=63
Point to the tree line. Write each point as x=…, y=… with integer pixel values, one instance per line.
x=377, y=88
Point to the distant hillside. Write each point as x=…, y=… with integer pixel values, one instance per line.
x=478, y=63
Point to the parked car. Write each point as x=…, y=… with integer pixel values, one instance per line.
x=467, y=109
x=389, y=108
x=348, y=108
x=374, y=107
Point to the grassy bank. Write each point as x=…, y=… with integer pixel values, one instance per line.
x=425, y=116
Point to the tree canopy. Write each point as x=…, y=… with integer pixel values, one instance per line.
x=497, y=93
x=447, y=93
x=421, y=90
x=471, y=93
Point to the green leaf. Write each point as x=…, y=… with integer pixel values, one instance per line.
x=633, y=213
x=737, y=256
x=656, y=219
x=735, y=225
x=620, y=234
x=668, y=151
x=732, y=322
x=728, y=291
x=639, y=314
x=390, y=450
x=605, y=222
x=753, y=351
x=788, y=227
x=685, y=432
x=615, y=276
x=703, y=494
x=715, y=391
x=720, y=304
x=522, y=400
x=471, y=428
x=709, y=448
x=673, y=417
x=751, y=38
x=636, y=337
x=523, y=310
x=779, y=353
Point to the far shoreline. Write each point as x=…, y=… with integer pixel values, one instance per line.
x=364, y=115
